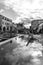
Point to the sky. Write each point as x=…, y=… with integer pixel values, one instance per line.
x=21, y=9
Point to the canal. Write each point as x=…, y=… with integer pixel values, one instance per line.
x=16, y=53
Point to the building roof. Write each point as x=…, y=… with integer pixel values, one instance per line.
x=37, y=21
x=5, y=18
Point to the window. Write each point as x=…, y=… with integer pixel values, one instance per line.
x=4, y=29
x=7, y=23
x=7, y=28
x=0, y=28
x=2, y=22
x=5, y=18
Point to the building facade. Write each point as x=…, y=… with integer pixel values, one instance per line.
x=5, y=24
x=36, y=25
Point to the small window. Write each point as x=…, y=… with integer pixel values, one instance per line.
x=0, y=28
x=5, y=18
x=4, y=29
x=7, y=28
x=7, y=23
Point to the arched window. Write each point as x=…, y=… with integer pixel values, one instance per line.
x=0, y=28
x=4, y=29
x=10, y=28
x=7, y=28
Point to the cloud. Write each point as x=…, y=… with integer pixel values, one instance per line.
x=2, y=10
x=1, y=1
x=26, y=8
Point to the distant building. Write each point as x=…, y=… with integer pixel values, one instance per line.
x=36, y=23
x=27, y=25
x=5, y=23
x=20, y=26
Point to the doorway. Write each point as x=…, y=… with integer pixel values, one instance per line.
x=4, y=29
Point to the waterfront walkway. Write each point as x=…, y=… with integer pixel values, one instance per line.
x=4, y=42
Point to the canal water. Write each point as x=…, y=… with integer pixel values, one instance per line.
x=26, y=55
x=18, y=53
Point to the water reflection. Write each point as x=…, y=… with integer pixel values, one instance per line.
x=25, y=55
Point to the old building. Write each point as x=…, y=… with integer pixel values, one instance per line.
x=36, y=25
x=5, y=24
